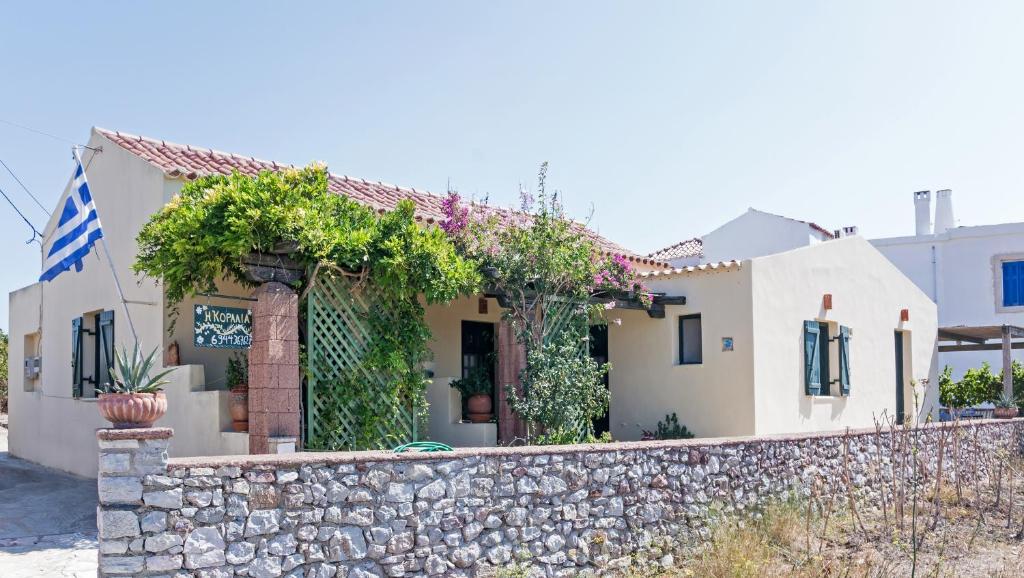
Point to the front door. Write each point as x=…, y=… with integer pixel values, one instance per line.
x=599, y=353
x=899, y=377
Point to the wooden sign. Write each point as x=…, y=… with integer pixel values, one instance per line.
x=223, y=327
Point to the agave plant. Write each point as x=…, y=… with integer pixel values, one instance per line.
x=132, y=375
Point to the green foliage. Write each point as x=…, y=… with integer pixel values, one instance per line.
x=3, y=371
x=237, y=372
x=539, y=260
x=132, y=374
x=565, y=392
x=204, y=233
x=670, y=429
x=978, y=385
x=478, y=382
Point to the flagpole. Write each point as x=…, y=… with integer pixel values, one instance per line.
x=110, y=261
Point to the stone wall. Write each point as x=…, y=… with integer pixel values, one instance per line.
x=564, y=510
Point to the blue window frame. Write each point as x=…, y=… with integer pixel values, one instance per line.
x=1013, y=283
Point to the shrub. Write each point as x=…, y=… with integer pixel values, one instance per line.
x=670, y=429
x=978, y=385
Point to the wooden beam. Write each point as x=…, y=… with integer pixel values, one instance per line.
x=1007, y=363
x=979, y=347
x=670, y=299
x=657, y=311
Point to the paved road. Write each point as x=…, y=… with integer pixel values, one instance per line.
x=47, y=520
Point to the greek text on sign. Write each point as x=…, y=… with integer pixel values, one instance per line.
x=223, y=327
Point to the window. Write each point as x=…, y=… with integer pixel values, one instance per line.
x=690, y=349
x=92, y=352
x=1013, y=283
x=818, y=359
x=477, y=347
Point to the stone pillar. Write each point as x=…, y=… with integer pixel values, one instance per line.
x=274, y=384
x=511, y=360
x=128, y=457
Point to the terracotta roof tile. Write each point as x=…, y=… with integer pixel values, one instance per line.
x=707, y=267
x=689, y=248
x=190, y=162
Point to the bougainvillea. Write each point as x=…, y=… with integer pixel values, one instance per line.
x=615, y=277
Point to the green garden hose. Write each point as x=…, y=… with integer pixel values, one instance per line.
x=423, y=447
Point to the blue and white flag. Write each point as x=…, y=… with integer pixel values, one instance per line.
x=77, y=231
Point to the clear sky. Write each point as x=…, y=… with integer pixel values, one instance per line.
x=668, y=118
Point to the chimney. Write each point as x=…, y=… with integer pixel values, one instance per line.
x=850, y=231
x=923, y=212
x=944, y=211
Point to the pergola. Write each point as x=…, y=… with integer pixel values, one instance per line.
x=985, y=338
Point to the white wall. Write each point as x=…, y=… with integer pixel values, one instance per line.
x=647, y=382
x=868, y=293
x=963, y=281
x=48, y=425
x=756, y=233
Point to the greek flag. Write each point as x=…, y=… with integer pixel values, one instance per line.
x=77, y=231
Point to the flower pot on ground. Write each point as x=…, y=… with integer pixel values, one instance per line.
x=237, y=380
x=134, y=399
x=476, y=390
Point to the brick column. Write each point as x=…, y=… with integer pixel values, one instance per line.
x=128, y=458
x=511, y=360
x=274, y=384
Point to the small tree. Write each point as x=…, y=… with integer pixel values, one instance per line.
x=540, y=261
x=977, y=385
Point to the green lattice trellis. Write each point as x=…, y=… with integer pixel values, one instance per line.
x=558, y=315
x=338, y=336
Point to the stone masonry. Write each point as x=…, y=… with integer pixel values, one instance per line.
x=561, y=510
x=274, y=383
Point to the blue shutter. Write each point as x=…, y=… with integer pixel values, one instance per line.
x=76, y=357
x=1013, y=283
x=812, y=361
x=844, y=359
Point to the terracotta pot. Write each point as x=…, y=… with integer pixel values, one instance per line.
x=239, y=407
x=479, y=403
x=1005, y=412
x=132, y=410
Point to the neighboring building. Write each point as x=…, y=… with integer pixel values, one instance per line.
x=733, y=360
x=730, y=361
x=974, y=274
x=753, y=234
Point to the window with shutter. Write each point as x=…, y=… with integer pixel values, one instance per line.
x=76, y=357
x=844, y=359
x=104, y=348
x=812, y=358
x=1013, y=283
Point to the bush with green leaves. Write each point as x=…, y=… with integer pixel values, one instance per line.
x=477, y=382
x=207, y=230
x=237, y=372
x=544, y=265
x=671, y=429
x=978, y=385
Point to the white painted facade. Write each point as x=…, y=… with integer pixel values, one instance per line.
x=757, y=233
x=761, y=304
x=960, y=268
x=47, y=424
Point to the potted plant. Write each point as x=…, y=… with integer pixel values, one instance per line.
x=134, y=399
x=1006, y=407
x=476, y=389
x=236, y=378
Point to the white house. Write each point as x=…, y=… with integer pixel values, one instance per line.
x=816, y=338
x=755, y=233
x=824, y=334
x=975, y=274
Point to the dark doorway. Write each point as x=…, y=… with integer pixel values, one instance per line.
x=599, y=353
x=899, y=377
x=478, y=351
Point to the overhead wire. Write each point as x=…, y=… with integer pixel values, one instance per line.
x=35, y=232
x=15, y=177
